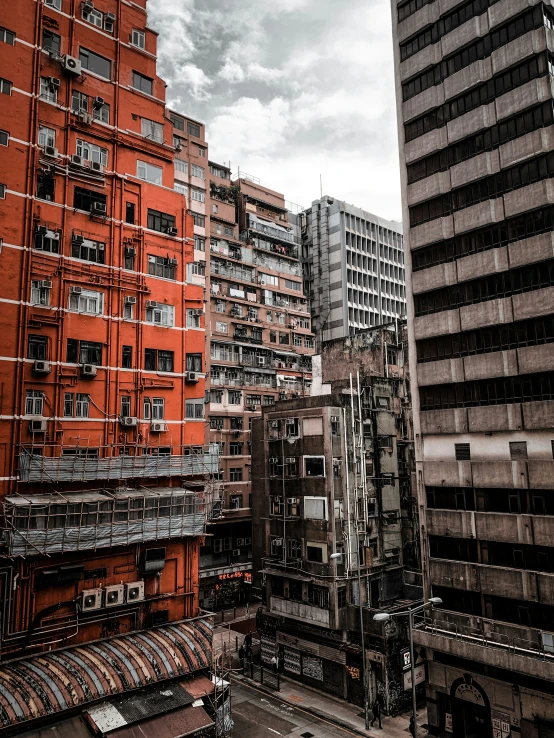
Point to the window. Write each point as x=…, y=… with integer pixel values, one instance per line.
x=127, y=357
x=80, y=104
x=292, y=428
x=235, y=397
x=294, y=548
x=84, y=199
x=161, y=222
x=161, y=314
x=46, y=136
x=47, y=91
x=194, y=409
x=293, y=507
x=152, y=130
x=130, y=214
x=194, y=362
x=235, y=474
x=149, y=172
x=236, y=423
x=269, y=400
x=312, y=426
x=199, y=220
x=221, y=327
x=276, y=505
x=181, y=166
x=91, y=15
x=34, y=402
x=218, y=171
x=314, y=466
x=182, y=188
x=129, y=258
x=253, y=400
x=82, y=406
x=158, y=408
x=37, y=347
x=308, y=342
x=160, y=266
x=199, y=243
x=142, y=83
x=40, y=295
x=8, y=37
x=84, y=352
x=216, y=423
x=158, y=360
x=341, y=597
x=269, y=279
x=318, y=596
x=197, y=195
x=6, y=87
x=462, y=451
x=177, y=121
x=216, y=396
x=235, y=502
x=125, y=406
x=315, y=508
x=87, y=301
x=235, y=448
x=193, y=129
x=193, y=318
x=138, y=38
x=290, y=285
x=518, y=450
x=88, y=250
x=197, y=171
x=297, y=340
x=316, y=553
x=51, y=41
x=92, y=152
x=201, y=151
x=68, y=405
x=128, y=311
x=95, y=63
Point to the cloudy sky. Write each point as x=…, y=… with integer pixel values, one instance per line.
x=289, y=90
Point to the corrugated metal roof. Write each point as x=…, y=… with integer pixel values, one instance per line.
x=59, y=680
x=74, y=727
x=182, y=722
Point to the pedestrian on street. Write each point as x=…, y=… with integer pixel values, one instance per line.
x=249, y=653
x=274, y=664
x=376, y=713
x=242, y=654
x=248, y=640
x=412, y=726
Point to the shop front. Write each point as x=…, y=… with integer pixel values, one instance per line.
x=224, y=589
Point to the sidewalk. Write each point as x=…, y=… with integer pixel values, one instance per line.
x=337, y=711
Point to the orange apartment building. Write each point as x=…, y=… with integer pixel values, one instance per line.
x=105, y=478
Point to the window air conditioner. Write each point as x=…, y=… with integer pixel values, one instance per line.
x=96, y=166
x=173, y=262
x=53, y=83
x=88, y=370
x=46, y=284
x=248, y=541
x=76, y=160
x=151, y=304
x=76, y=290
x=72, y=66
x=240, y=542
x=172, y=231
x=51, y=152
x=98, y=102
x=191, y=377
x=91, y=599
x=134, y=592
x=98, y=208
x=113, y=595
x=42, y=230
x=235, y=552
x=41, y=367
x=88, y=5
x=130, y=251
x=158, y=426
x=129, y=422
x=77, y=238
x=130, y=300
x=37, y=426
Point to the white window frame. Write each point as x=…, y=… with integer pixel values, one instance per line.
x=47, y=93
x=149, y=172
x=161, y=314
x=221, y=327
x=193, y=318
x=138, y=38
x=152, y=130
x=158, y=408
x=182, y=188
x=309, y=508
x=95, y=17
x=34, y=402
x=92, y=152
x=90, y=302
x=197, y=195
x=128, y=311
x=39, y=295
x=57, y=4
x=125, y=406
x=313, y=456
x=181, y=166
x=198, y=172
x=82, y=405
x=194, y=409
x=46, y=136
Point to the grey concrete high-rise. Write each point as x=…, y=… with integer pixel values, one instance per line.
x=353, y=266
x=475, y=117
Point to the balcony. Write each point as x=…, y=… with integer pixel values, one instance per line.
x=299, y=610
x=503, y=645
x=278, y=265
x=281, y=234
x=84, y=521
x=537, y=530
x=232, y=271
x=276, y=248
x=76, y=468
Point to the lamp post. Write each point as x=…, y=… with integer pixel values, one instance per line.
x=382, y=617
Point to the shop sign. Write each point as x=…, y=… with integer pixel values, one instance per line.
x=292, y=660
x=500, y=724
x=419, y=676
x=448, y=722
x=470, y=693
x=353, y=671
x=231, y=575
x=312, y=667
x=405, y=659
x=247, y=577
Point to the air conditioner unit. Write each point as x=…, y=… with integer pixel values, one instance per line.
x=262, y=281
x=130, y=251
x=88, y=5
x=42, y=229
x=91, y=599
x=72, y=66
x=248, y=541
x=172, y=231
x=191, y=377
x=84, y=117
x=88, y=370
x=290, y=459
x=261, y=361
x=37, y=426
x=158, y=426
x=151, y=304
x=110, y=17
x=77, y=238
x=53, y=83
x=76, y=160
x=75, y=290
x=134, y=592
x=113, y=595
x=41, y=367
x=96, y=166
x=235, y=552
x=46, y=284
x=128, y=422
x=98, y=102
x=240, y=542
x=98, y=208
x=51, y=152
x=130, y=300
x=252, y=408
x=334, y=418
x=174, y=262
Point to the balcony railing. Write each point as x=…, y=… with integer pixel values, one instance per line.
x=81, y=521
x=231, y=271
x=278, y=265
x=83, y=468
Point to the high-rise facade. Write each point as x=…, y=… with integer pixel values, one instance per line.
x=353, y=265
x=475, y=118
x=104, y=474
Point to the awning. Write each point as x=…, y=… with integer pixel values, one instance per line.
x=60, y=680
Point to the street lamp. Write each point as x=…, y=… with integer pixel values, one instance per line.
x=382, y=617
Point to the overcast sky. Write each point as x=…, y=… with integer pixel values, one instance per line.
x=289, y=90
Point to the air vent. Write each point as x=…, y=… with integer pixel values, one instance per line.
x=462, y=451
x=153, y=561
